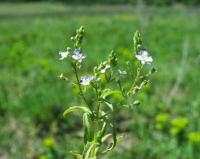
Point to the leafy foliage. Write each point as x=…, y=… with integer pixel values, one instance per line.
x=32, y=100
x=99, y=123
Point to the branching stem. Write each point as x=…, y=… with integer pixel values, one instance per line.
x=136, y=78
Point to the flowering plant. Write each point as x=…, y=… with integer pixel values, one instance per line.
x=108, y=92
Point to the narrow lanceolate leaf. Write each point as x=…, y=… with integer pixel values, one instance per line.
x=89, y=150
x=137, y=102
x=101, y=132
x=137, y=41
x=87, y=128
x=109, y=92
x=114, y=134
x=86, y=146
x=77, y=109
x=106, y=138
x=113, y=144
x=110, y=106
x=78, y=156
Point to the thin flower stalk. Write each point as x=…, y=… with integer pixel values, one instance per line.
x=108, y=92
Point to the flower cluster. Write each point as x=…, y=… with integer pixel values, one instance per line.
x=110, y=87
x=77, y=54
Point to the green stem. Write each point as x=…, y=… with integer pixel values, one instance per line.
x=79, y=86
x=136, y=78
x=106, y=77
x=95, y=86
x=120, y=88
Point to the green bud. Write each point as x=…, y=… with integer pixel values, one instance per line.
x=78, y=38
x=137, y=41
x=113, y=58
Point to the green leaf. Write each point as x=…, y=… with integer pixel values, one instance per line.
x=101, y=132
x=110, y=106
x=86, y=146
x=75, y=153
x=114, y=135
x=137, y=102
x=90, y=149
x=108, y=92
x=87, y=128
x=77, y=109
x=106, y=137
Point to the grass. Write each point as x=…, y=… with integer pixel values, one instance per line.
x=32, y=99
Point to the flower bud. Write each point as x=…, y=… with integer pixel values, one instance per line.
x=137, y=41
x=113, y=58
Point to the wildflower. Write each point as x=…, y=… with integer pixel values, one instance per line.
x=105, y=68
x=77, y=55
x=122, y=72
x=85, y=80
x=64, y=54
x=144, y=57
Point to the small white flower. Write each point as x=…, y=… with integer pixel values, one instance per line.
x=144, y=57
x=64, y=54
x=77, y=55
x=85, y=80
x=105, y=68
x=122, y=72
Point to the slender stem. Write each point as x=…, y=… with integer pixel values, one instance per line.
x=96, y=91
x=136, y=78
x=120, y=86
x=106, y=77
x=97, y=121
x=79, y=86
x=97, y=99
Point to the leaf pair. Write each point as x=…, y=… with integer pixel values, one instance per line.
x=109, y=92
x=77, y=109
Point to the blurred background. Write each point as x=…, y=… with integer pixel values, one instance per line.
x=165, y=126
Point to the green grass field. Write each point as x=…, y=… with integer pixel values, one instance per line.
x=32, y=98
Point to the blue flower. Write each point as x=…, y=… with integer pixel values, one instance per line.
x=85, y=80
x=78, y=55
